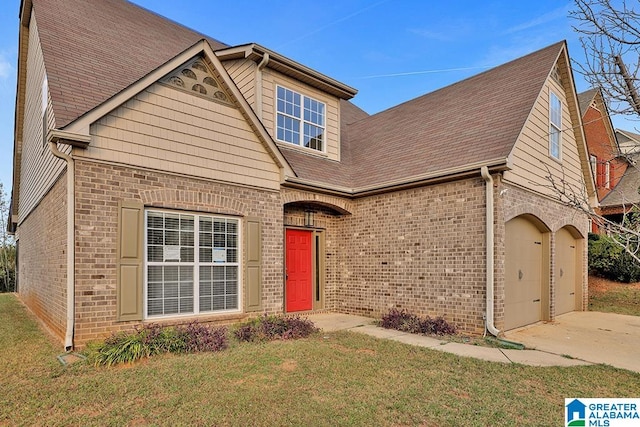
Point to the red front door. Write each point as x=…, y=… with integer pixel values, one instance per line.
x=298, y=270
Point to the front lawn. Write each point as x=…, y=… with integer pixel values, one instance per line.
x=614, y=297
x=327, y=380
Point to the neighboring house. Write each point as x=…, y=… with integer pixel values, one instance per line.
x=625, y=194
x=624, y=197
x=629, y=141
x=162, y=176
x=607, y=165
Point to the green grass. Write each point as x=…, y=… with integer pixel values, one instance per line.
x=623, y=299
x=344, y=379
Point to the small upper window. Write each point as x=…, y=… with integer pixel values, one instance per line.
x=300, y=119
x=607, y=175
x=593, y=161
x=555, y=126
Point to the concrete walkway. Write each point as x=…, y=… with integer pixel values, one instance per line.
x=330, y=322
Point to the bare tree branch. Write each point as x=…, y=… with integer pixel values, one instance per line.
x=610, y=38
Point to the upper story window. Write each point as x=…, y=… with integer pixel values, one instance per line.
x=607, y=175
x=300, y=119
x=555, y=126
x=593, y=161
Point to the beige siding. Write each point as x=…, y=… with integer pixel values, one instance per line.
x=273, y=78
x=530, y=156
x=243, y=73
x=166, y=129
x=39, y=168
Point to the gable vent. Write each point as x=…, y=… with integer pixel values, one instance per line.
x=196, y=78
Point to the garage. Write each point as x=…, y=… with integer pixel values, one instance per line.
x=567, y=268
x=525, y=255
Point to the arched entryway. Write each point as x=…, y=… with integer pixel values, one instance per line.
x=309, y=224
x=568, y=268
x=526, y=298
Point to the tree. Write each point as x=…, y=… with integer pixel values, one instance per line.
x=7, y=248
x=610, y=37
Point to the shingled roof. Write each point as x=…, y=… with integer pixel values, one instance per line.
x=90, y=57
x=93, y=50
x=585, y=98
x=476, y=120
x=626, y=191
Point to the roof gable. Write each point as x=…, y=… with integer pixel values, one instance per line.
x=91, y=53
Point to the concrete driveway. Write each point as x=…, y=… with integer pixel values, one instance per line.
x=613, y=339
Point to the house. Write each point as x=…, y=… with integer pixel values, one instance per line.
x=604, y=154
x=163, y=176
x=624, y=196
x=608, y=165
x=629, y=141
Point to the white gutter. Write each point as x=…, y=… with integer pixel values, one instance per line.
x=484, y=171
x=261, y=65
x=68, y=339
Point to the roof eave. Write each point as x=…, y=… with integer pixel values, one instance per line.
x=429, y=178
x=289, y=67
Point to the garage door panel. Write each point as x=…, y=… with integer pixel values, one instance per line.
x=523, y=273
x=565, y=274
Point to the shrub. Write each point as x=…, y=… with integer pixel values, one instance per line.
x=198, y=337
x=267, y=328
x=609, y=260
x=401, y=320
x=154, y=339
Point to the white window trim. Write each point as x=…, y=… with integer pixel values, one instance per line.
x=557, y=126
x=607, y=175
x=593, y=162
x=196, y=271
x=301, y=119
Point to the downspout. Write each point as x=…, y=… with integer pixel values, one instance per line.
x=261, y=65
x=484, y=171
x=68, y=339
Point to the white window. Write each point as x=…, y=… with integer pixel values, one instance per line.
x=300, y=119
x=192, y=264
x=607, y=175
x=593, y=161
x=555, y=126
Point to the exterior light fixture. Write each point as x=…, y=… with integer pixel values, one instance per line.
x=309, y=218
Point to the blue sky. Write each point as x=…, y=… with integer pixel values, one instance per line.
x=390, y=50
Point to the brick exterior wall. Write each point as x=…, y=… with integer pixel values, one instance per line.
x=43, y=259
x=421, y=249
x=99, y=187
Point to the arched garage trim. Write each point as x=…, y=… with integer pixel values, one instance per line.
x=537, y=215
x=571, y=225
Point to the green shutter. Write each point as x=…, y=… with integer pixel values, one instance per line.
x=253, y=265
x=130, y=254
